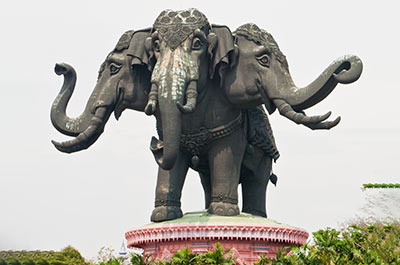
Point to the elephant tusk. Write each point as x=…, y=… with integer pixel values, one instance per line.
x=86, y=138
x=81, y=142
x=191, y=98
x=157, y=147
x=152, y=102
x=312, y=122
x=118, y=106
x=324, y=125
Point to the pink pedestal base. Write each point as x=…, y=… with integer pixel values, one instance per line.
x=247, y=236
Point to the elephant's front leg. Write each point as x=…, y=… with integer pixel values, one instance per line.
x=169, y=191
x=225, y=158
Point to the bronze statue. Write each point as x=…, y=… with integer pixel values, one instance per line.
x=205, y=86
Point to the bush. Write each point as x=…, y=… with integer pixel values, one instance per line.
x=362, y=243
x=67, y=256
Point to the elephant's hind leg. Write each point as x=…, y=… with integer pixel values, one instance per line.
x=206, y=183
x=254, y=187
x=169, y=191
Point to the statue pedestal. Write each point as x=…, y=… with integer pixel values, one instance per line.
x=246, y=235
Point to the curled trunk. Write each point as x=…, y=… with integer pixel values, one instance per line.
x=344, y=70
x=60, y=120
x=90, y=124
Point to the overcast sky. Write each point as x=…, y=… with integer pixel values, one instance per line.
x=89, y=199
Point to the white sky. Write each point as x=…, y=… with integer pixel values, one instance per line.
x=49, y=200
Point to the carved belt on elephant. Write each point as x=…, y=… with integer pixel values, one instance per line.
x=194, y=141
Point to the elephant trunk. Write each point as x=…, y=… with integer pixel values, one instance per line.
x=291, y=100
x=60, y=120
x=174, y=78
x=171, y=110
x=171, y=121
x=344, y=70
x=90, y=124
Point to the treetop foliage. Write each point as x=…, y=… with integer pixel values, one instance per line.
x=381, y=186
x=67, y=256
x=361, y=243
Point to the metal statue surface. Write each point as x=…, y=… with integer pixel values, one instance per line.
x=205, y=86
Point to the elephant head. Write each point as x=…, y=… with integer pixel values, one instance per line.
x=185, y=48
x=119, y=86
x=262, y=75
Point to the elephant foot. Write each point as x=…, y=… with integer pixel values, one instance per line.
x=164, y=213
x=255, y=212
x=223, y=208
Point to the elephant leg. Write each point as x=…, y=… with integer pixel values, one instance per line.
x=254, y=187
x=225, y=156
x=169, y=191
x=206, y=182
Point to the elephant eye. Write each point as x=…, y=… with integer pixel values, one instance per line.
x=196, y=44
x=114, y=68
x=263, y=60
x=156, y=45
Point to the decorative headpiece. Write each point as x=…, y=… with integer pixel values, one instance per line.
x=124, y=41
x=260, y=36
x=176, y=26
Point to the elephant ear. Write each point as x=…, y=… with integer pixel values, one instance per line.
x=137, y=49
x=142, y=63
x=221, y=49
x=143, y=60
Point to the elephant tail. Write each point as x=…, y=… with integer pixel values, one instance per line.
x=273, y=178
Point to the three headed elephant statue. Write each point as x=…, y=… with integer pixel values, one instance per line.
x=205, y=86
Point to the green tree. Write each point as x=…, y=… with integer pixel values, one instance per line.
x=140, y=260
x=28, y=261
x=183, y=257
x=218, y=256
x=42, y=261
x=13, y=261
x=112, y=261
x=361, y=243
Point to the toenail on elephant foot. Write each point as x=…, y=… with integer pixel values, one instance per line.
x=164, y=213
x=223, y=208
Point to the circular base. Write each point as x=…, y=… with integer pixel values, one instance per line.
x=246, y=235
